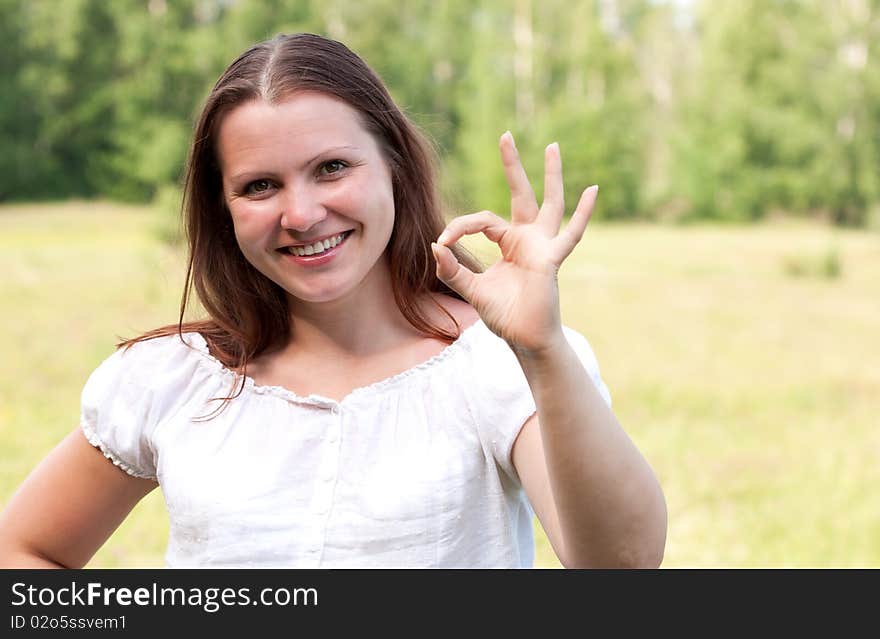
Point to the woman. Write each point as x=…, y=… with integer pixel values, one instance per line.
x=360, y=394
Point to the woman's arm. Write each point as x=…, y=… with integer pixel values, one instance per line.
x=67, y=507
x=595, y=495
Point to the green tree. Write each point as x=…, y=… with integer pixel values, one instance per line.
x=780, y=115
x=66, y=72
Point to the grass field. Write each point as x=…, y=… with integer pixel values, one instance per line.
x=744, y=362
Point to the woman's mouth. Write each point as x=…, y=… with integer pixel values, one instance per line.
x=317, y=253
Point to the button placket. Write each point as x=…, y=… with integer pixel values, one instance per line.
x=326, y=484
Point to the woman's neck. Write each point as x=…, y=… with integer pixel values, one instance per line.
x=364, y=321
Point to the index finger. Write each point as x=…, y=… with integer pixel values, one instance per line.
x=523, y=205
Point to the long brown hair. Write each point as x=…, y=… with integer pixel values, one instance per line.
x=247, y=312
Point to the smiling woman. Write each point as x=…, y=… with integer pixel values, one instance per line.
x=361, y=391
x=332, y=182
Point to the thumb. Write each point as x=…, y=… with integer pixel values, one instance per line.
x=451, y=273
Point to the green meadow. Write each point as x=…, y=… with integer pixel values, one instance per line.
x=743, y=361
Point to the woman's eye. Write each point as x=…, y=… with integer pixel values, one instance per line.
x=258, y=186
x=332, y=167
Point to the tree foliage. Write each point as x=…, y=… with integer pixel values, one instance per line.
x=689, y=110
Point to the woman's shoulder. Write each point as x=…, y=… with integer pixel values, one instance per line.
x=163, y=349
x=491, y=362
x=131, y=390
x=464, y=314
x=147, y=361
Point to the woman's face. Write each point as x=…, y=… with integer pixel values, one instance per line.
x=309, y=192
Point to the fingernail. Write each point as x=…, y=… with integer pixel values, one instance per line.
x=510, y=136
x=442, y=238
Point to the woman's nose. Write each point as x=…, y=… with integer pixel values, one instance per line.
x=301, y=210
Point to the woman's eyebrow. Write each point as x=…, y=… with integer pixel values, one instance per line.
x=331, y=149
x=247, y=176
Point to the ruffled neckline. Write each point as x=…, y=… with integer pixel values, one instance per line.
x=198, y=342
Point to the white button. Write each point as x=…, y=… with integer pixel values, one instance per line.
x=335, y=410
x=331, y=438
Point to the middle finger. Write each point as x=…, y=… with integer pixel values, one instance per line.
x=553, y=207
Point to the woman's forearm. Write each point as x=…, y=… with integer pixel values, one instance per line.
x=611, y=507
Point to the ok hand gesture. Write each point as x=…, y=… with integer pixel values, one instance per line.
x=518, y=296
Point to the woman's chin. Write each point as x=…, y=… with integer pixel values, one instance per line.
x=324, y=295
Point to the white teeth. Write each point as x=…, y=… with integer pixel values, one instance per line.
x=317, y=247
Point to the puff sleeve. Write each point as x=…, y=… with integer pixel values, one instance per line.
x=500, y=398
x=116, y=412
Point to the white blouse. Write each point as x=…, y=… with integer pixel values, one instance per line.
x=412, y=471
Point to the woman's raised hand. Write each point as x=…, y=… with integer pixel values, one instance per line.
x=518, y=296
